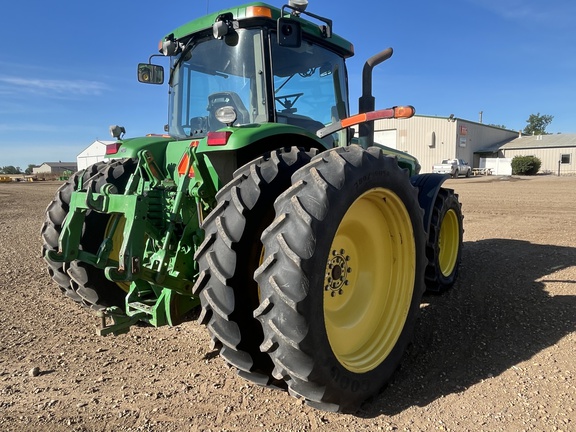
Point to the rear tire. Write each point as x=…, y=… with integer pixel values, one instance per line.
x=80, y=281
x=230, y=254
x=343, y=277
x=88, y=281
x=56, y=213
x=444, y=247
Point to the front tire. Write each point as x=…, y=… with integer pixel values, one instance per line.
x=343, y=277
x=444, y=247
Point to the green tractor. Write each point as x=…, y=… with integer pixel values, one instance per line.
x=307, y=248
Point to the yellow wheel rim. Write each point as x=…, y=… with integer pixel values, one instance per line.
x=117, y=238
x=369, y=280
x=448, y=243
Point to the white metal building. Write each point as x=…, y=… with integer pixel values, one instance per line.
x=432, y=139
x=95, y=152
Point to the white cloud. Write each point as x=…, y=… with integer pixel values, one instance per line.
x=49, y=87
x=551, y=12
x=24, y=127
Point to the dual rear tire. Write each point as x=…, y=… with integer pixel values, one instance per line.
x=339, y=274
x=232, y=251
x=83, y=283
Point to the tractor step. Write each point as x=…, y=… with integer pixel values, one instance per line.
x=121, y=322
x=142, y=307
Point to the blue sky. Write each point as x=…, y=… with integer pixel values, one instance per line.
x=68, y=67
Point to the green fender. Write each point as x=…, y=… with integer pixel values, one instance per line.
x=428, y=187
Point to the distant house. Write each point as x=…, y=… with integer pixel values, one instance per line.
x=95, y=152
x=55, y=168
x=556, y=152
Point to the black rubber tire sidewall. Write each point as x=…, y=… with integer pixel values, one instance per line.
x=311, y=368
x=436, y=281
x=245, y=208
x=347, y=385
x=88, y=281
x=51, y=229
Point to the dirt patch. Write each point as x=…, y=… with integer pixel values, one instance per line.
x=495, y=353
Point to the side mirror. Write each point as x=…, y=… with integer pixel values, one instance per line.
x=150, y=73
x=289, y=33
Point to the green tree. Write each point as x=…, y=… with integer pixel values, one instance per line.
x=9, y=169
x=29, y=169
x=537, y=124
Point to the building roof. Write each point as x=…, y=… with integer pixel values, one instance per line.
x=60, y=164
x=532, y=142
x=98, y=142
x=541, y=141
x=494, y=148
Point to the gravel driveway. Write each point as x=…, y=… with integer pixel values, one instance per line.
x=496, y=353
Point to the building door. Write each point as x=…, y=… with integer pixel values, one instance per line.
x=386, y=137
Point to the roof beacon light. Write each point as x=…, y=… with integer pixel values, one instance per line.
x=298, y=5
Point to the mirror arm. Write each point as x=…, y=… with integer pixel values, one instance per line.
x=154, y=55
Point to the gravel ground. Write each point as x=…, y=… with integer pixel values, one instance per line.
x=496, y=353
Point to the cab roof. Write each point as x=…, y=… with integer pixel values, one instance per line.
x=264, y=14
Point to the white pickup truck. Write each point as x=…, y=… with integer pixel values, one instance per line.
x=454, y=167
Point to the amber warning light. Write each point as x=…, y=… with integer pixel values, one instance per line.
x=397, y=112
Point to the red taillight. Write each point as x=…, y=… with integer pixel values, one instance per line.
x=218, y=138
x=113, y=148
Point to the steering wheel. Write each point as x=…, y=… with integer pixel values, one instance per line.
x=288, y=101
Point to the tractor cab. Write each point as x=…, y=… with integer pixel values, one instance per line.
x=253, y=66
